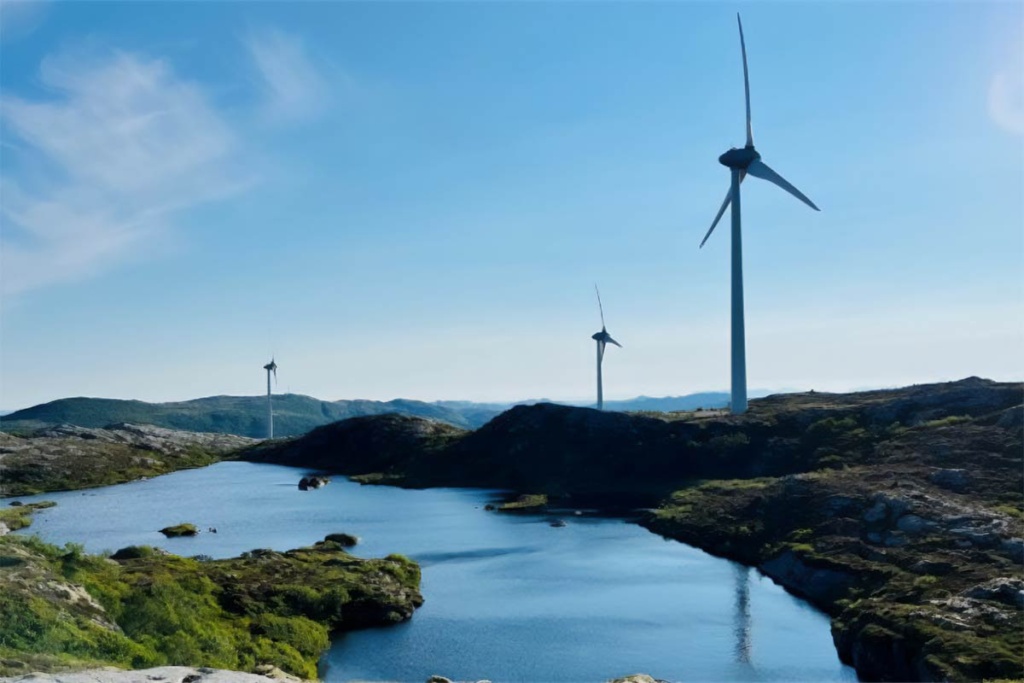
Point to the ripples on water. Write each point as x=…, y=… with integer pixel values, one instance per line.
x=508, y=598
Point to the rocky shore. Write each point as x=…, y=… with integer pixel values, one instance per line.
x=65, y=457
x=899, y=512
x=62, y=609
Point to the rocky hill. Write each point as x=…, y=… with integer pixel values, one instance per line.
x=63, y=457
x=293, y=414
x=241, y=415
x=899, y=512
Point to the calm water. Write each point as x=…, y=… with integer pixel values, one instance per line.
x=507, y=598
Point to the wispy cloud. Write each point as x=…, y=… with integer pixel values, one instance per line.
x=294, y=89
x=19, y=18
x=124, y=146
x=1006, y=100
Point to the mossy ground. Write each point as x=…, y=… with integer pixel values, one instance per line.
x=530, y=502
x=899, y=559
x=61, y=608
x=20, y=516
x=88, y=465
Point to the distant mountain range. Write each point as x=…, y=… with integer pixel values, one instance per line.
x=294, y=414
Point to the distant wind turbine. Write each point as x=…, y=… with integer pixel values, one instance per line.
x=270, y=367
x=742, y=162
x=602, y=338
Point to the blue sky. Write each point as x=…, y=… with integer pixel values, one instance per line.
x=416, y=199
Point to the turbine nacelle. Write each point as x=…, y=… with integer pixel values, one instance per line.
x=604, y=337
x=739, y=158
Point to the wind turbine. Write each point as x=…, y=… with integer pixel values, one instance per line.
x=743, y=162
x=270, y=367
x=602, y=338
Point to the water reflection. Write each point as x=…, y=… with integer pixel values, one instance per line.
x=741, y=615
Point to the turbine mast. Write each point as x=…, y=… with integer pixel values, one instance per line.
x=600, y=388
x=739, y=353
x=270, y=408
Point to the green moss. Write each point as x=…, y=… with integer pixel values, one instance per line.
x=180, y=530
x=533, y=501
x=263, y=608
x=1012, y=510
x=802, y=548
x=20, y=516
x=946, y=421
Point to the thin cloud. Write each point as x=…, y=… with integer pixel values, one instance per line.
x=124, y=146
x=1006, y=100
x=18, y=18
x=293, y=88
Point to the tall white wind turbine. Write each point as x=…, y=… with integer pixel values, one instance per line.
x=602, y=338
x=743, y=162
x=270, y=367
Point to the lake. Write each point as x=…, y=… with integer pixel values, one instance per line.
x=508, y=598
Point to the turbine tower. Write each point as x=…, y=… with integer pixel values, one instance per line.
x=602, y=338
x=270, y=367
x=743, y=162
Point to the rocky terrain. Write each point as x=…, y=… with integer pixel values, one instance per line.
x=142, y=607
x=900, y=512
x=65, y=457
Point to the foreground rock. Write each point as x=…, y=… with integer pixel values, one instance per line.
x=62, y=609
x=64, y=457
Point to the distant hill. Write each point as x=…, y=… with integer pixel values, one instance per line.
x=294, y=414
x=242, y=415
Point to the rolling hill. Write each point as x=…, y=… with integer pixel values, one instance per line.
x=294, y=414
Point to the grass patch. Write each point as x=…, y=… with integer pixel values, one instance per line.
x=20, y=516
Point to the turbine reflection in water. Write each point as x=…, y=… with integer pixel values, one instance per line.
x=741, y=627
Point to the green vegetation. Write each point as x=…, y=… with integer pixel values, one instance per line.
x=61, y=460
x=20, y=516
x=525, y=503
x=947, y=421
x=185, y=529
x=60, y=607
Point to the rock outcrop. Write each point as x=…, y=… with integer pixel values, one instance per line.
x=65, y=457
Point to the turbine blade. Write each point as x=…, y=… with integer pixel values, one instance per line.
x=759, y=169
x=721, y=211
x=600, y=350
x=746, y=82
x=599, y=306
x=612, y=341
